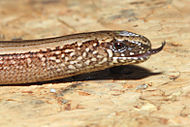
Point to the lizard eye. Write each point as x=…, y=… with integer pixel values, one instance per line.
x=119, y=46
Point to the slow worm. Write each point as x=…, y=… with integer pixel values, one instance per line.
x=28, y=61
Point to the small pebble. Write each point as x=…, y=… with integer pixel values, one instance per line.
x=52, y=90
x=143, y=86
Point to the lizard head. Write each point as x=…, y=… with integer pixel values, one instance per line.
x=131, y=48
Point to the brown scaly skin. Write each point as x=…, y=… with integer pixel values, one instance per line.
x=40, y=60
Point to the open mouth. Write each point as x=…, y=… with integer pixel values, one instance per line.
x=143, y=56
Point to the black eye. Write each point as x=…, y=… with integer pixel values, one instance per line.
x=119, y=46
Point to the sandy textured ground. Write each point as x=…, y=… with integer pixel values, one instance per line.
x=152, y=94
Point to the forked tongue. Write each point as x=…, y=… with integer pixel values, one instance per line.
x=154, y=51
